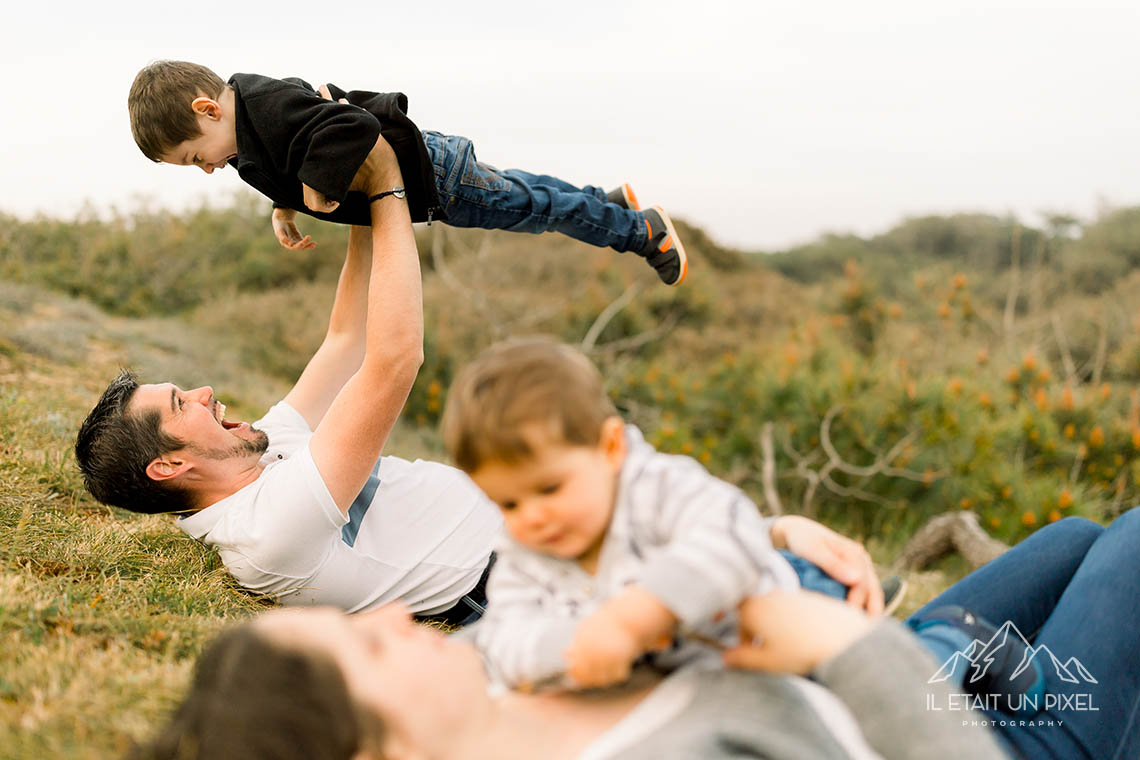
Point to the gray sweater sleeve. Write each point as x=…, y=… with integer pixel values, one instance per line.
x=881, y=679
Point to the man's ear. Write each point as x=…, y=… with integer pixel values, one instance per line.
x=207, y=107
x=612, y=440
x=166, y=467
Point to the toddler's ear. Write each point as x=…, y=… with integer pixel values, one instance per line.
x=207, y=107
x=613, y=439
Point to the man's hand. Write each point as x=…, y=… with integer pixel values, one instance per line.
x=602, y=652
x=794, y=632
x=315, y=200
x=287, y=233
x=843, y=559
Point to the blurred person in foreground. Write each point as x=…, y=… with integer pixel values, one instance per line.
x=316, y=685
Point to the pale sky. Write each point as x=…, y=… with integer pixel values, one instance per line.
x=766, y=123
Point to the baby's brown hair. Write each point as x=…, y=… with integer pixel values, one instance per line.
x=518, y=383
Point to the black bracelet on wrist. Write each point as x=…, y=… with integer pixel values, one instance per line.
x=396, y=191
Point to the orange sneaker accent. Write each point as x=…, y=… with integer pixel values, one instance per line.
x=648, y=229
x=666, y=244
x=631, y=197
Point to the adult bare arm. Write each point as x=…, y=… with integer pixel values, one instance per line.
x=342, y=350
x=348, y=440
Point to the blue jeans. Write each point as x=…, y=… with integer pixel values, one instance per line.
x=475, y=194
x=814, y=579
x=1073, y=586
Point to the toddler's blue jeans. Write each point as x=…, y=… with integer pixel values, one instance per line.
x=475, y=194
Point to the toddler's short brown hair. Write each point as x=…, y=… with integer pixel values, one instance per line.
x=159, y=104
x=514, y=384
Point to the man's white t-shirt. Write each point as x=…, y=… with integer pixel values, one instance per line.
x=419, y=532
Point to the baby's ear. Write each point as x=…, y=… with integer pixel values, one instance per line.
x=207, y=107
x=612, y=439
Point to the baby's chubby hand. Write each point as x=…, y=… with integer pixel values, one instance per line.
x=602, y=652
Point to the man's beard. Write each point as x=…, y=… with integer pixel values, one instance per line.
x=243, y=448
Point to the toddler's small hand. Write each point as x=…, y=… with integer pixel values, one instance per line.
x=287, y=233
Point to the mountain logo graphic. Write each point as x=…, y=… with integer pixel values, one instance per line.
x=980, y=655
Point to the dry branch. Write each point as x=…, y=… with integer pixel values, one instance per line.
x=953, y=531
x=609, y=313
x=768, y=472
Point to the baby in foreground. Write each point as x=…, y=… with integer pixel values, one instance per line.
x=613, y=548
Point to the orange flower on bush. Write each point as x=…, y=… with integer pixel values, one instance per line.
x=1013, y=376
x=959, y=281
x=1070, y=431
x=965, y=503
x=705, y=457
x=1041, y=399
x=955, y=386
x=1054, y=516
x=894, y=310
x=1006, y=492
x=985, y=400
x=983, y=357
x=1028, y=519
x=686, y=448
x=1044, y=376
x=995, y=522
x=1106, y=391
x=1136, y=439
x=1096, y=437
x=1029, y=362
x=1067, y=398
x=1065, y=500
x=944, y=310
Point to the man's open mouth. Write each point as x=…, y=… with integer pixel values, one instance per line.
x=220, y=416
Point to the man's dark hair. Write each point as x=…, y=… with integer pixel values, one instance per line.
x=159, y=104
x=256, y=699
x=114, y=447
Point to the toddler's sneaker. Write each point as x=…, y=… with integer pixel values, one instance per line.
x=663, y=249
x=894, y=589
x=994, y=663
x=624, y=197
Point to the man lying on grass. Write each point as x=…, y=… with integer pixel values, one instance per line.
x=300, y=505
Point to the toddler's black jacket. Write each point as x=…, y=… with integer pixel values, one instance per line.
x=287, y=134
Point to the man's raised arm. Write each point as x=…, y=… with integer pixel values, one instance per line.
x=349, y=438
x=342, y=350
